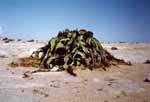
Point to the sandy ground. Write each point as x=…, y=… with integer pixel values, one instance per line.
x=118, y=84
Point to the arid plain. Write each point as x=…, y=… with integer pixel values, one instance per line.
x=120, y=83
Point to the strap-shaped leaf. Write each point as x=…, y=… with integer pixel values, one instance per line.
x=85, y=49
x=64, y=40
x=80, y=54
x=53, y=43
x=50, y=60
x=72, y=38
x=59, y=45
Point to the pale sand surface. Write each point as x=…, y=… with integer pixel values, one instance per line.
x=118, y=84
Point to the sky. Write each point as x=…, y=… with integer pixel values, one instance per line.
x=110, y=20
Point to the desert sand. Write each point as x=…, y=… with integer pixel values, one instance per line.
x=120, y=83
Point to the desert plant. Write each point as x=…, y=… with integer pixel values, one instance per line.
x=75, y=48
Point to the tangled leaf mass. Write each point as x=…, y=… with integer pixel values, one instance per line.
x=69, y=50
x=75, y=48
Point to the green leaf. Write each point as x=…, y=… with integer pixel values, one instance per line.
x=64, y=41
x=53, y=43
x=59, y=45
x=50, y=59
x=79, y=53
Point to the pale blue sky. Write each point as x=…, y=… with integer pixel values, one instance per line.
x=110, y=20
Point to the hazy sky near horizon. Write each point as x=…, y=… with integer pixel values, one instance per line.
x=110, y=20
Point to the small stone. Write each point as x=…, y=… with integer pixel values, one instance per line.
x=27, y=74
x=54, y=86
x=46, y=95
x=118, y=96
x=19, y=39
x=2, y=56
x=114, y=48
x=22, y=91
x=5, y=39
x=85, y=79
x=109, y=84
x=12, y=72
x=129, y=63
x=147, y=80
x=100, y=89
x=123, y=93
x=30, y=40
x=36, y=91
x=147, y=62
x=66, y=82
x=13, y=64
